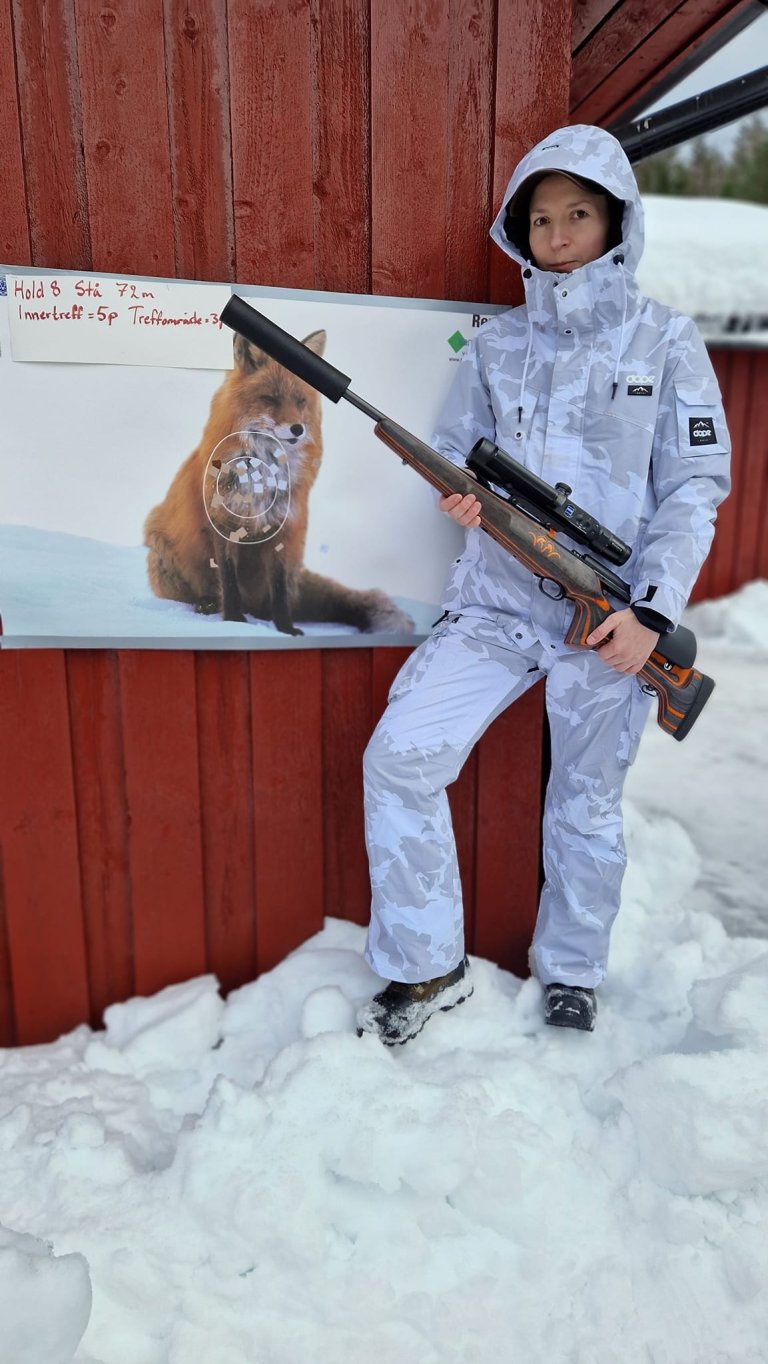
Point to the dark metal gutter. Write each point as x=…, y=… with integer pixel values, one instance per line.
x=692, y=117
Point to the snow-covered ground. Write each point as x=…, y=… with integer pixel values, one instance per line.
x=68, y=590
x=249, y=1183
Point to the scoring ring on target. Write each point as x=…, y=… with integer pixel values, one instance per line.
x=247, y=495
x=248, y=482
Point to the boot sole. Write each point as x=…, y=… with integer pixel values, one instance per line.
x=570, y=1023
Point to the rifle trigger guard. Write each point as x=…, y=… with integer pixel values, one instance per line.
x=555, y=591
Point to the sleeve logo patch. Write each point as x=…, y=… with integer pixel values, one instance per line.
x=701, y=431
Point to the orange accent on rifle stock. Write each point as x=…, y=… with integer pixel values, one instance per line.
x=686, y=687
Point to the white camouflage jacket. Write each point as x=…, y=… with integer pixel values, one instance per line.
x=594, y=385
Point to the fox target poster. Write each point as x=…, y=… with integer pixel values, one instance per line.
x=137, y=433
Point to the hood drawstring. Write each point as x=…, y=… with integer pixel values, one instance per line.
x=526, y=275
x=618, y=259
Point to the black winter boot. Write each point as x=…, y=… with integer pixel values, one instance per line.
x=570, y=1006
x=400, y=1011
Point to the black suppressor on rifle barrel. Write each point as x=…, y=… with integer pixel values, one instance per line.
x=492, y=465
x=284, y=348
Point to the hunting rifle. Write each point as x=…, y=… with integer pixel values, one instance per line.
x=523, y=522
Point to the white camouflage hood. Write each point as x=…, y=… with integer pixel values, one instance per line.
x=595, y=155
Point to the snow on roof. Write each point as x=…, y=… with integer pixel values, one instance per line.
x=708, y=258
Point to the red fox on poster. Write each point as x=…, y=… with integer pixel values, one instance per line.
x=229, y=535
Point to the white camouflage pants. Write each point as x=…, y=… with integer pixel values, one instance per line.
x=443, y=699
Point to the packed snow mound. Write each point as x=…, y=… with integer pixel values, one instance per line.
x=707, y=258
x=713, y=784
x=45, y=1301
x=739, y=620
x=302, y=1193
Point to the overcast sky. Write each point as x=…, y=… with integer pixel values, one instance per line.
x=745, y=53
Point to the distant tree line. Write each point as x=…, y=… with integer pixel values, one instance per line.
x=700, y=169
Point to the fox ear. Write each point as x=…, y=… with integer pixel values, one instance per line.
x=316, y=342
x=248, y=358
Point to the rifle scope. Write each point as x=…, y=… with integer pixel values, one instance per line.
x=540, y=499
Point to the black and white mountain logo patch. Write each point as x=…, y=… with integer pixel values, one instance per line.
x=701, y=431
x=639, y=385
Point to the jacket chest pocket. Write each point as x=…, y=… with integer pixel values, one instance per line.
x=515, y=436
x=700, y=421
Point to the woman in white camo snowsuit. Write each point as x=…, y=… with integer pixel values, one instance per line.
x=592, y=384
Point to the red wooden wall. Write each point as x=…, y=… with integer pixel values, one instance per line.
x=168, y=813
x=740, y=550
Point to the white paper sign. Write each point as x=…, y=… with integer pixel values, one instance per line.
x=107, y=321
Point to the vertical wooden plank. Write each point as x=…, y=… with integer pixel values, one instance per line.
x=15, y=243
x=158, y=701
x=385, y=665
x=750, y=463
x=757, y=450
x=226, y=797
x=7, y=1016
x=409, y=118
x=39, y=853
x=509, y=833
x=269, y=62
x=341, y=144
x=533, y=67
x=49, y=99
x=717, y=574
x=125, y=136
x=721, y=361
x=746, y=472
x=93, y=686
x=346, y=729
x=469, y=134
x=197, y=74
x=462, y=798
x=286, y=738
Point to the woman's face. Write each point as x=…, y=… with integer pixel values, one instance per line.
x=568, y=224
